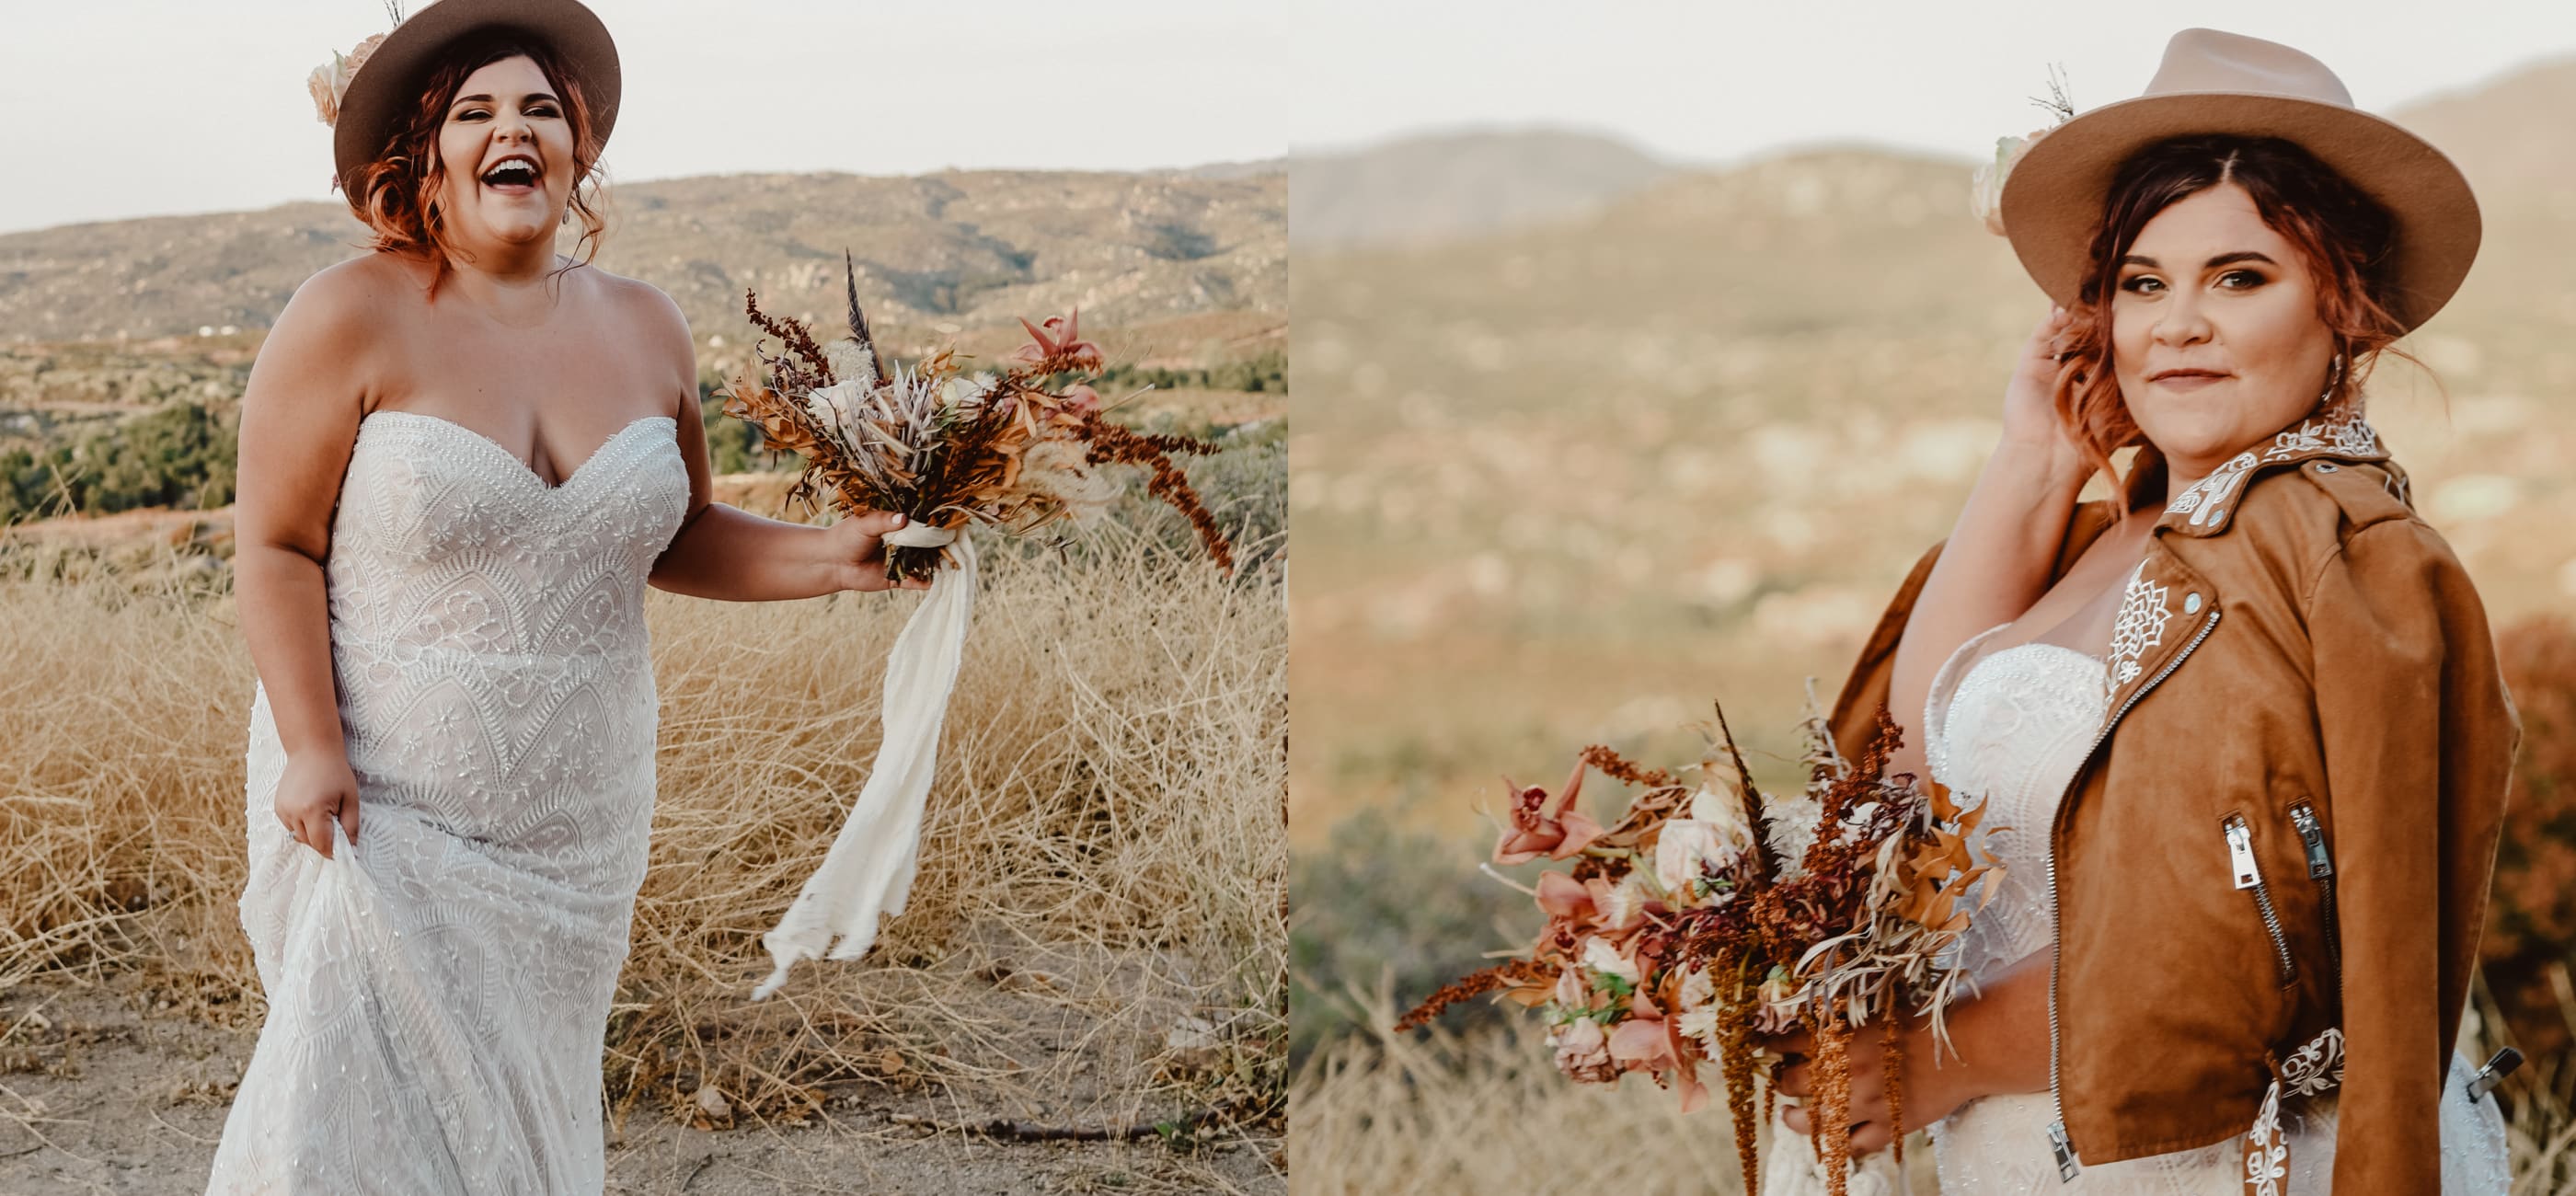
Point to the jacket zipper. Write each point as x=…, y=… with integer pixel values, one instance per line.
x=2240, y=860
x=2058, y=1143
x=2303, y=815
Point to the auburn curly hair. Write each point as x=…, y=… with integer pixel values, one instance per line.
x=396, y=193
x=2348, y=239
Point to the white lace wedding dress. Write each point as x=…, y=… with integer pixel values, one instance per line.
x=2011, y=727
x=438, y=992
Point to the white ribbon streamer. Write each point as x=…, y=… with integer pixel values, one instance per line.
x=921, y=535
x=868, y=872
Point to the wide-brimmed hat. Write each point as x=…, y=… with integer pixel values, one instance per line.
x=388, y=79
x=2216, y=82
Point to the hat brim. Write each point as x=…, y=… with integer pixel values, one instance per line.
x=386, y=86
x=2053, y=199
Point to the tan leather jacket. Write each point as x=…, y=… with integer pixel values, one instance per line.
x=2300, y=778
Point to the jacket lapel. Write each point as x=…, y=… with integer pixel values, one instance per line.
x=2167, y=606
x=2204, y=508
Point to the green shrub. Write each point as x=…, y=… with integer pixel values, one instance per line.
x=179, y=456
x=1381, y=902
x=1266, y=373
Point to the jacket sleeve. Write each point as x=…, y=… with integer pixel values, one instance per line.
x=1855, y=713
x=2417, y=735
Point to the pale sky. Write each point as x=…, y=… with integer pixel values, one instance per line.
x=118, y=108
x=1718, y=80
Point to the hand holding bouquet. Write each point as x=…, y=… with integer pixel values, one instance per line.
x=1706, y=916
x=1012, y=451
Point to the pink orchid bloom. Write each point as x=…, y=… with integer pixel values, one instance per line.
x=1065, y=347
x=1082, y=398
x=1537, y=829
x=1562, y=896
x=1650, y=1042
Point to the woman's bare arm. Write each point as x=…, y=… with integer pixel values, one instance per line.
x=2000, y=552
x=299, y=418
x=729, y=554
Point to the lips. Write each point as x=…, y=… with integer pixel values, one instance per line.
x=2186, y=376
x=512, y=175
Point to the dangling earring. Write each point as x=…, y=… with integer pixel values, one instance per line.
x=2333, y=379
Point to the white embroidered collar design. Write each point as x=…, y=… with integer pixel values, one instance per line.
x=2139, y=627
x=2206, y=497
x=2344, y=433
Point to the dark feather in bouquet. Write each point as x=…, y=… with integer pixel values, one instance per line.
x=1013, y=450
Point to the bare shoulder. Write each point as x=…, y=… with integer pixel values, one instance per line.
x=323, y=343
x=651, y=313
x=652, y=323
x=343, y=295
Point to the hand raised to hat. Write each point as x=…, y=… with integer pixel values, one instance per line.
x=2032, y=428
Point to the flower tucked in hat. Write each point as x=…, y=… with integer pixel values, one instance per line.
x=1986, y=197
x=1986, y=190
x=330, y=81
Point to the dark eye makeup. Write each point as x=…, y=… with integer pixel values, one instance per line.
x=539, y=110
x=2132, y=283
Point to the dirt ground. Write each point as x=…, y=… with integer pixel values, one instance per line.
x=99, y=1095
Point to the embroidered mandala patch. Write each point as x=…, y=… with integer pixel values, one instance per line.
x=2140, y=626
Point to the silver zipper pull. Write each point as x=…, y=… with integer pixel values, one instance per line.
x=2240, y=855
x=2320, y=865
x=2065, y=1152
x=2494, y=1072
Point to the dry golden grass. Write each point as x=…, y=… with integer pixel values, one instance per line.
x=1485, y=1111
x=1103, y=861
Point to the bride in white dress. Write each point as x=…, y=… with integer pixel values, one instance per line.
x=2007, y=653
x=450, y=505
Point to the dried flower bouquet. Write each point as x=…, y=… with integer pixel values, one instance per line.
x=1709, y=914
x=1013, y=451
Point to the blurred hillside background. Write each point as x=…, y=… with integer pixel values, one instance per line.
x=1591, y=435
x=124, y=344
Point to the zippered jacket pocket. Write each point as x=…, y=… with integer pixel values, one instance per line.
x=2312, y=838
x=2249, y=875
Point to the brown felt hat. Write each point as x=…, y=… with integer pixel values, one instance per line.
x=2214, y=82
x=389, y=79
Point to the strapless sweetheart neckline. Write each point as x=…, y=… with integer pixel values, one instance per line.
x=504, y=449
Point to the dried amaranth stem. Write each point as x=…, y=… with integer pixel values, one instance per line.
x=1833, y=1102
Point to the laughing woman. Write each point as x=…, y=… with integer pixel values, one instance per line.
x=463, y=458
x=2245, y=716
